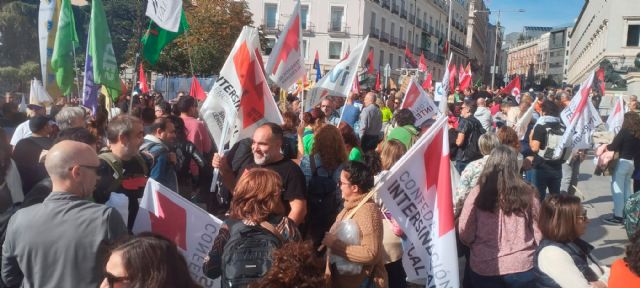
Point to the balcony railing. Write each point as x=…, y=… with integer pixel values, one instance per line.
x=395, y=8
x=309, y=29
x=403, y=14
x=270, y=29
x=374, y=33
x=393, y=40
x=412, y=18
x=385, y=4
x=384, y=36
x=419, y=23
x=337, y=29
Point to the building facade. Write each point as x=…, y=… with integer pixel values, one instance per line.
x=476, y=40
x=605, y=29
x=521, y=56
x=490, y=53
x=558, y=54
x=333, y=27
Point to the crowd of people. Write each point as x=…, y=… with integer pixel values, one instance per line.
x=295, y=197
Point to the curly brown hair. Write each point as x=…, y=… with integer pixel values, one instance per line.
x=328, y=144
x=348, y=135
x=257, y=195
x=632, y=123
x=509, y=137
x=295, y=264
x=632, y=255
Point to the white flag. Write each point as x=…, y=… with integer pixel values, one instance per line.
x=165, y=13
x=417, y=192
x=192, y=229
x=421, y=104
x=523, y=123
x=442, y=92
x=286, y=64
x=240, y=98
x=45, y=15
x=339, y=81
x=37, y=94
x=580, y=117
x=614, y=122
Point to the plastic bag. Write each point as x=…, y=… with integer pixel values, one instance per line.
x=120, y=202
x=349, y=233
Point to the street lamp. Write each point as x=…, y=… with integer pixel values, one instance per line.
x=495, y=47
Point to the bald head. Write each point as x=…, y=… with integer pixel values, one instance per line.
x=370, y=98
x=67, y=154
x=481, y=102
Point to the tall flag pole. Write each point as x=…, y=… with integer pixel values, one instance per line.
x=90, y=89
x=286, y=62
x=105, y=66
x=63, y=50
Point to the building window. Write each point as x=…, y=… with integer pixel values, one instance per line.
x=304, y=49
x=401, y=34
x=383, y=24
x=633, y=35
x=270, y=15
x=335, y=49
x=304, y=16
x=399, y=61
x=391, y=60
x=337, y=13
x=381, y=62
x=373, y=20
x=270, y=43
x=393, y=29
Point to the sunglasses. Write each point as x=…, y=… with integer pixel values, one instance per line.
x=113, y=280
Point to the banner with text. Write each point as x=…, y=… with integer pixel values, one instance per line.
x=419, y=102
x=192, y=229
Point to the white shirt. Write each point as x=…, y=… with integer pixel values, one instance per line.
x=21, y=132
x=559, y=266
x=483, y=114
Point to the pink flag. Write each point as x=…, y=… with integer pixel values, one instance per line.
x=192, y=229
x=417, y=192
x=422, y=65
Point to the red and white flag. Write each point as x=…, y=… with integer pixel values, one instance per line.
x=286, y=63
x=417, y=192
x=144, y=88
x=465, y=78
x=581, y=119
x=192, y=229
x=513, y=88
x=417, y=100
x=460, y=72
x=240, y=100
x=614, y=122
x=442, y=91
x=427, y=84
x=196, y=90
x=422, y=64
x=339, y=81
x=452, y=77
x=378, y=85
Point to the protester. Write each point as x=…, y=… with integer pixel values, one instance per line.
x=562, y=258
x=295, y=264
x=147, y=260
x=186, y=152
x=70, y=117
x=311, y=122
x=626, y=143
x=256, y=213
x=502, y=201
x=23, y=131
x=11, y=192
x=386, y=112
x=548, y=168
x=28, y=151
x=405, y=131
x=351, y=142
x=483, y=114
x=370, y=123
x=197, y=133
x=157, y=144
x=470, y=175
x=123, y=170
x=625, y=272
x=266, y=149
x=509, y=137
x=328, y=107
x=469, y=131
x=351, y=111
x=327, y=154
x=290, y=127
x=58, y=243
x=355, y=183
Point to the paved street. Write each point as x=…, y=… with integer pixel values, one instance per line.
x=595, y=191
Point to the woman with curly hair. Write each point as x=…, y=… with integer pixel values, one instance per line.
x=295, y=264
x=625, y=272
x=256, y=209
x=563, y=259
x=626, y=143
x=351, y=142
x=147, y=260
x=502, y=202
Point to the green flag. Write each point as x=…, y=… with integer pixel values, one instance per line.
x=105, y=66
x=156, y=38
x=66, y=40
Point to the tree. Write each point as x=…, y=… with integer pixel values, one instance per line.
x=214, y=27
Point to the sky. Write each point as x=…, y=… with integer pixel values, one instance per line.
x=549, y=13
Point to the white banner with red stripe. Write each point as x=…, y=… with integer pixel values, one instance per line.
x=417, y=191
x=286, y=63
x=192, y=229
x=419, y=102
x=614, y=122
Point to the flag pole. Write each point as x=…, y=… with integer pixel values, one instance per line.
x=75, y=68
x=137, y=58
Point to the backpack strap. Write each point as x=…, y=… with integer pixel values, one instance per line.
x=269, y=227
x=113, y=162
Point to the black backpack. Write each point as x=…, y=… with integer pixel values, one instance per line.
x=472, y=149
x=246, y=257
x=322, y=204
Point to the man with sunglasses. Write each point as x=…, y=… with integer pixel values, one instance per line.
x=57, y=243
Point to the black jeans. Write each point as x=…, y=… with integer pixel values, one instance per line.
x=369, y=142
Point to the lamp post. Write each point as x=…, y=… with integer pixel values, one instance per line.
x=495, y=46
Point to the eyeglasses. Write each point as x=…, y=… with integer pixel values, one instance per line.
x=94, y=168
x=340, y=183
x=583, y=215
x=113, y=280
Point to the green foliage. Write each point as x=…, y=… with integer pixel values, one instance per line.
x=18, y=32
